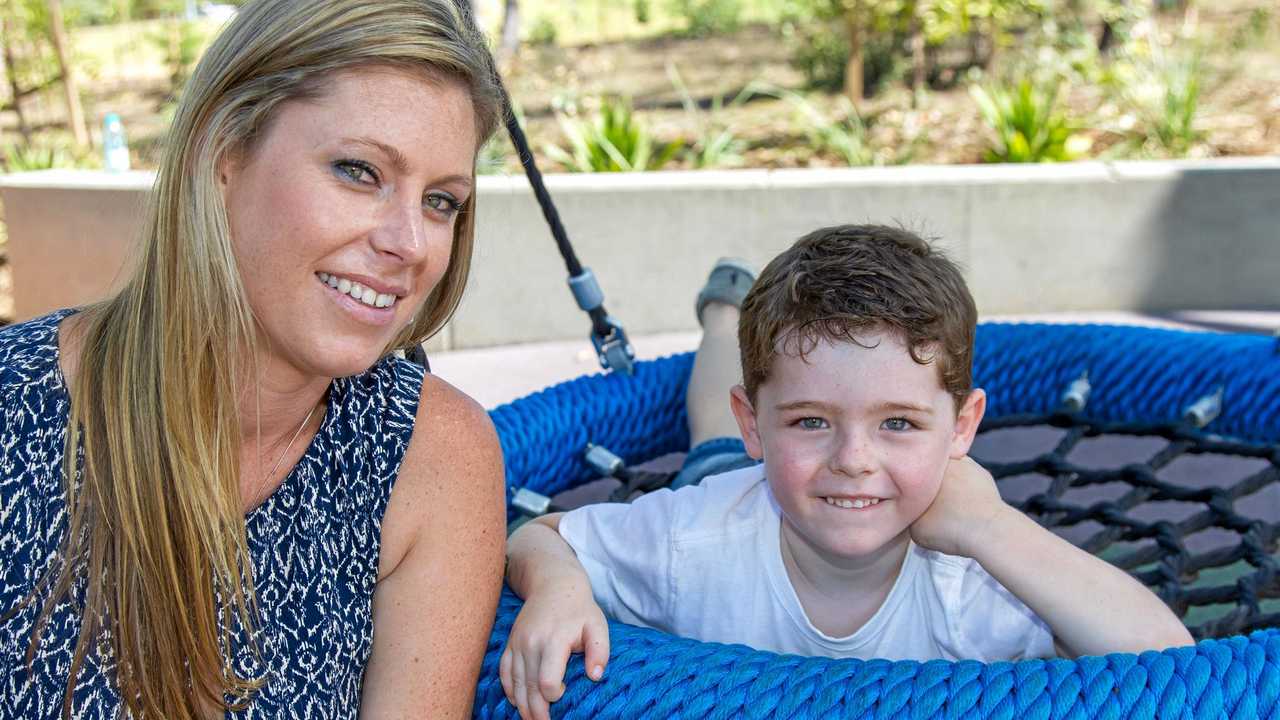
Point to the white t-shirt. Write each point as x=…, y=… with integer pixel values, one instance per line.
x=705, y=562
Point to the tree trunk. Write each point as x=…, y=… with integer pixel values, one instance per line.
x=6, y=35
x=975, y=46
x=1106, y=38
x=918, y=60
x=1107, y=35
x=854, y=69
x=510, y=34
x=75, y=113
x=993, y=36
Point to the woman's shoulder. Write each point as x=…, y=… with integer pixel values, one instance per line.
x=29, y=351
x=453, y=465
x=457, y=425
x=434, y=424
x=407, y=389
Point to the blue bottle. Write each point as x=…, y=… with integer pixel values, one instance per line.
x=115, y=147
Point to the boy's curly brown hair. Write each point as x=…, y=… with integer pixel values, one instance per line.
x=837, y=282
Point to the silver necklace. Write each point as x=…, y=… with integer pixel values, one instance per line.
x=267, y=478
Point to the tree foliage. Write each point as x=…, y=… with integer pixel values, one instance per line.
x=871, y=36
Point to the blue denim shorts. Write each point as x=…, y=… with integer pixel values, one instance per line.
x=715, y=456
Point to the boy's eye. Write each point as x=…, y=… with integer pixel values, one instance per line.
x=897, y=424
x=812, y=423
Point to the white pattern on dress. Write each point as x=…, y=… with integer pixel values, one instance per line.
x=314, y=543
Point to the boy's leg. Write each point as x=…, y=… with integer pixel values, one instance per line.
x=715, y=444
x=716, y=368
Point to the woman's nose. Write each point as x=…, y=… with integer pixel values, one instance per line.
x=403, y=232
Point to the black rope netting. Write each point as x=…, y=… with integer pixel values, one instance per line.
x=1194, y=517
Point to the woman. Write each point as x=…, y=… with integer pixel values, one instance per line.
x=268, y=513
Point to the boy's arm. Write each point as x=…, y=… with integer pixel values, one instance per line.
x=1092, y=606
x=559, y=617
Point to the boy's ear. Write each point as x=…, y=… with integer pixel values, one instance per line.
x=967, y=422
x=745, y=414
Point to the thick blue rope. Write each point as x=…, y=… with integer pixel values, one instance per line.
x=658, y=676
x=1137, y=374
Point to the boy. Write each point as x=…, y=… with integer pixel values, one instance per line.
x=866, y=532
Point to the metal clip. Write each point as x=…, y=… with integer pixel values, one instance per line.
x=602, y=460
x=1077, y=394
x=1203, y=411
x=614, y=350
x=530, y=503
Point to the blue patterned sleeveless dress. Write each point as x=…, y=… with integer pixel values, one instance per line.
x=314, y=543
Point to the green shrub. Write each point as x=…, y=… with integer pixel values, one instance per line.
x=1254, y=31
x=1163, y=93
x=23, y=157
x=543, y=32
x=717, y=145
x=615, y=141
x=181, y=41
x=1029, y=127
x=846, y=138
x=845, y=134
x=492, y=158
x=708, y=17
x=821, y=54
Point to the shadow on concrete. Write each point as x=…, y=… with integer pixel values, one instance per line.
x=1250, y=323
x=1211, y=254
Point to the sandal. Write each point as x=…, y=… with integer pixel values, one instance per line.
x=728, y=282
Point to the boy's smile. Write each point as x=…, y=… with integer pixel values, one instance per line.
x=855, y=438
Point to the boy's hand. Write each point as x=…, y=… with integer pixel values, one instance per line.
x=554, y=622
x=966, y=503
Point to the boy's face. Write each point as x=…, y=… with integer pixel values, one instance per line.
x=855, y=441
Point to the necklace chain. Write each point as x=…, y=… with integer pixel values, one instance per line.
x=267, y=478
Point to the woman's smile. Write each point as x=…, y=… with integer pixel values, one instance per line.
x=367, y=294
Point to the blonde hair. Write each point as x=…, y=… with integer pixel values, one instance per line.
x=156, y=515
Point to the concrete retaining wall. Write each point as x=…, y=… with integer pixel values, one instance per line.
x=1080, y=236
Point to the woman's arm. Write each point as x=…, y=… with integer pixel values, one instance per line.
x=440, y=570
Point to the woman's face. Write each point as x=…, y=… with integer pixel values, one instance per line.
x=342, y=214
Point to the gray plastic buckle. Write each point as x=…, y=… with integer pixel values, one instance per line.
x=602, y=460
x=1077, y=394
x=530, y=502
x=614, y=350
x=586, y=291
x=1205, y=410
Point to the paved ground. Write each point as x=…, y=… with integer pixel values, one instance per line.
x=501, y=374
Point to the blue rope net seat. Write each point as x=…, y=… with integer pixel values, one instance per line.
x=1207, y=545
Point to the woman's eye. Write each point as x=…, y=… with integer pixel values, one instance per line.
x=356, y=171
x=897, y=424
x=812, y=423
x=443, y=203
